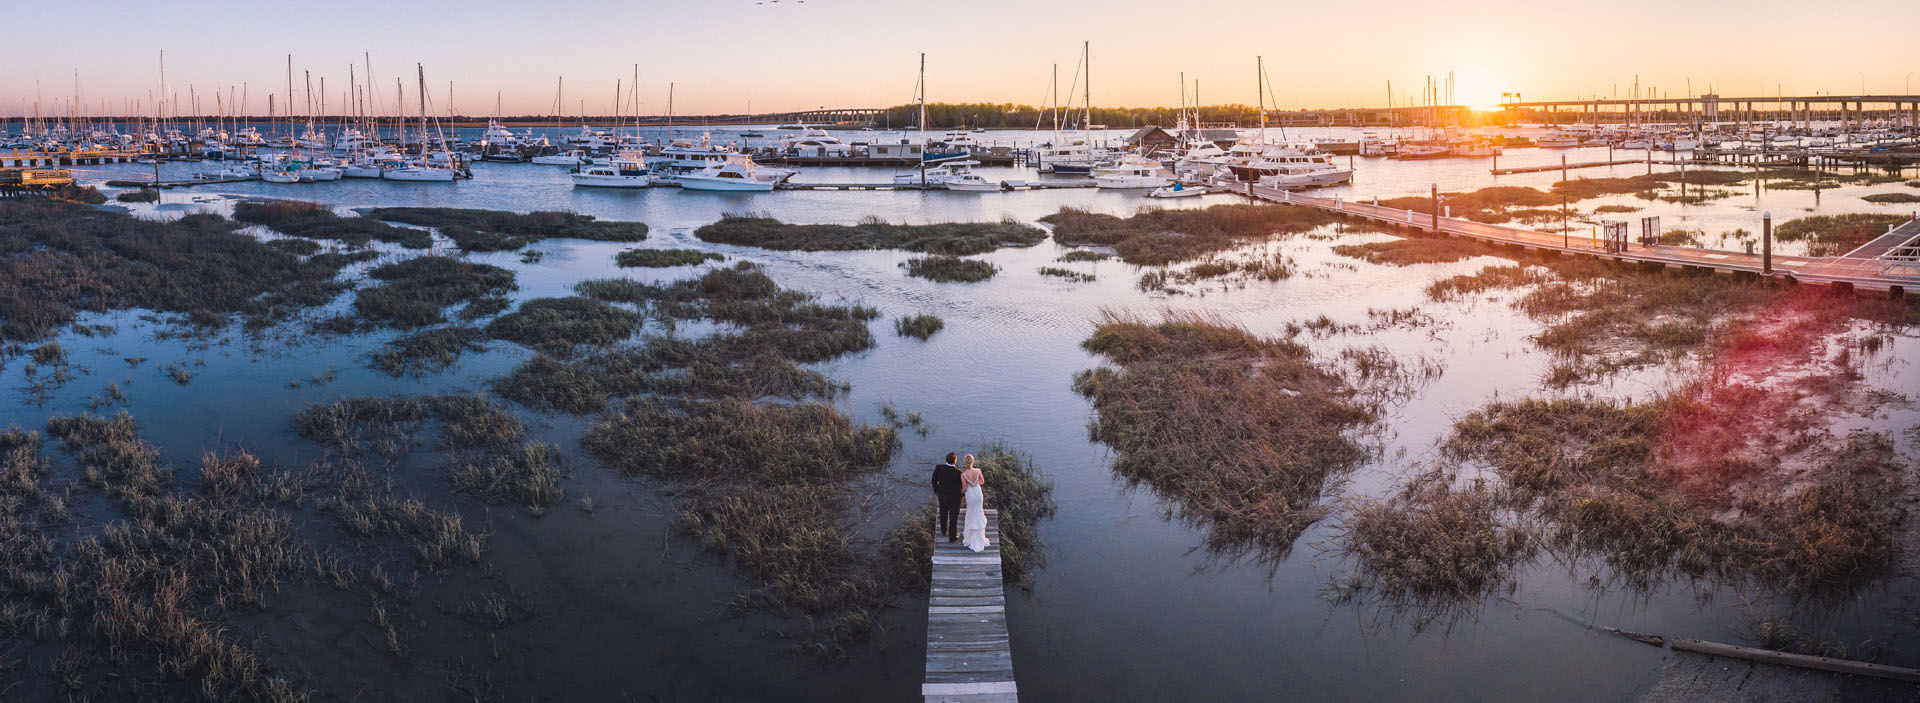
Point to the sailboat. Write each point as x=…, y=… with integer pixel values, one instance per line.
x=424, y=168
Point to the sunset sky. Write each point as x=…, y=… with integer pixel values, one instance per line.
x=790, y=54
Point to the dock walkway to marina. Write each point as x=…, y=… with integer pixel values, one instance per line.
x=1893, y=268
x=968, y=659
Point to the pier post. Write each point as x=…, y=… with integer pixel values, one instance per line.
x=1436, y=208
x=1766, y=243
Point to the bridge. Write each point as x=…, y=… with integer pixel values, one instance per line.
x=1889, y=264
x=968, y=659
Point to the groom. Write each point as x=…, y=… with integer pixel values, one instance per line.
x=946, y=487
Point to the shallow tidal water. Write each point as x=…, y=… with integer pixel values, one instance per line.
x=1129, y=607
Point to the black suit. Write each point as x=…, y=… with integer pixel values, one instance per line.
x=946, y=487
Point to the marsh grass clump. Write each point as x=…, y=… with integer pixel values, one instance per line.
x=528, y=475
x=1601, y=317
x=918, y=326
x=1153, y=237
x=84, y=195
x=1418, y=250
x=559, y=325
x=317, y=221
x=1436, y=550
x=426, y=352
x=1068, y=274
x=143, y=195
x=1891, y=198
x=664, y=258
x=1079, y=255
x=738, y=439
x=498, y=230
x=1241, y=433
x=58, y=259
x=1493, y=204
x=950, y=269
x=1832, y=235
x=949, y=238
x=1609, y=481
x=492, y=460
x=413, y=292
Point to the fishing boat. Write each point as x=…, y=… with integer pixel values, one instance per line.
x=737, y=174
x=960, y=176
x=1307, y=174
x=628, y=170
x=1176, y=190
x=934, y=175
x=1133, y=172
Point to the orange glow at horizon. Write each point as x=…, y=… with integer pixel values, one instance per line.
x=724, y=54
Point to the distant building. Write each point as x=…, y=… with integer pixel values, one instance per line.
x=1154, y=138
x=902, y=150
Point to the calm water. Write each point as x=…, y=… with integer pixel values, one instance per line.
x=1127, y=609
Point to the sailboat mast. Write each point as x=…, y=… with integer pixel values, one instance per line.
x=1260, y=87
x=422, y=69
x=1086, y=87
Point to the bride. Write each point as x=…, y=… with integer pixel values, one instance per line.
x=974, y=535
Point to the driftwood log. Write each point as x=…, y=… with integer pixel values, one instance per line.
x=1768, y=656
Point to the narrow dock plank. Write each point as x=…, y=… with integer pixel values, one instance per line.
x=969, y=659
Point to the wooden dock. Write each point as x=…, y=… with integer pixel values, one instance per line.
x=1890, y=272
x=968, y=659
x=1573, y=166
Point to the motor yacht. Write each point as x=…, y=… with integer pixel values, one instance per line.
x=628, y=170
x=815, y=142
x=1133, y=172
x=737, y=174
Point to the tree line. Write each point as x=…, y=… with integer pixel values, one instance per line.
x=1012, y=116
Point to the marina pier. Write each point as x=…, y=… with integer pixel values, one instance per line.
x=1888, y=265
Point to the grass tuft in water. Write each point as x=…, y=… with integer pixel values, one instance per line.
x=918, y=326
x=950, y=269
x=664, y=258
x=950, y=238
x=496, y=230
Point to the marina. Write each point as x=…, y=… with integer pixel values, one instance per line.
x=782, y=351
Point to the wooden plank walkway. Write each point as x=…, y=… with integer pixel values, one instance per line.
x=1876, y=274
x=968, y=659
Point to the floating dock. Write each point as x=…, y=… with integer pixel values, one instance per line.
x=1004, y=186
x=968, y=658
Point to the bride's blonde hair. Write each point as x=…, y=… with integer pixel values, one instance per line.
x=969, y=461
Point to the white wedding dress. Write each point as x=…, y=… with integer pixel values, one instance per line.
x=973, y=533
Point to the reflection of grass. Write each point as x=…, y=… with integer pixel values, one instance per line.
x=952, y=238
x=1158, y=237
x=950, y=269
x=1241, y=432
x=663, y=258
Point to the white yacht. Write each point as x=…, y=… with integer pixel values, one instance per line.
x=936, y=175
x=570, y=157
x=628, y=170
x=1133, y=172
x=1308, y=173
x=960, y=176
x=738, y=173
x=815, y=142
x=1558, y=140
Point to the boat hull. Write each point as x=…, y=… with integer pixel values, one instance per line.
x=419, y=175
x=725, y=185
x=581, y=180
